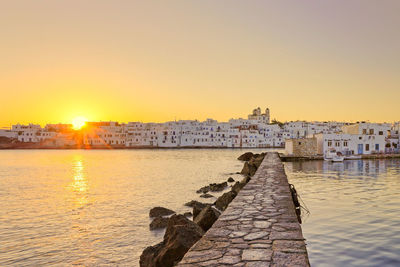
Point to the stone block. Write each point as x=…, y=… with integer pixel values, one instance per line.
x=257, y=255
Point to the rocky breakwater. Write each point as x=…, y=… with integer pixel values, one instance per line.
x=258, y=228
x=181, y=233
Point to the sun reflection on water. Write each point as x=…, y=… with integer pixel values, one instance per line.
x=79, y=183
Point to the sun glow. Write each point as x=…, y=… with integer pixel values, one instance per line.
x=78, y=123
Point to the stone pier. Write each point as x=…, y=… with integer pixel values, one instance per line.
x=259, y=228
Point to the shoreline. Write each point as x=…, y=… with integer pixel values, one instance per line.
x=287, y=158
x=38, y=147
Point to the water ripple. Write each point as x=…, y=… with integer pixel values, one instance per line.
x=354, y=209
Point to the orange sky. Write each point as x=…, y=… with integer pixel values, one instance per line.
x=158, y=61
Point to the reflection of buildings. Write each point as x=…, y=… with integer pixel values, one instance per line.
x=358, y=168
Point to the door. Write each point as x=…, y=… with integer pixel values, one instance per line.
x=360, y=148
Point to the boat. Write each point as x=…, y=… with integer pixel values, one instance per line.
x=353, y=157
x=333, y=155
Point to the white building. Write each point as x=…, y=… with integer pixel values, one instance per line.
x=366, y=128
x=8, y=133
x=393, y=140
x=350, y=144
x=254, y=132
x=104, y=134
x=31, y=133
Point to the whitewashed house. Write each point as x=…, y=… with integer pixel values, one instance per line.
x=367, y=128
x=104, y=134
x=32, y=133
x=8, y=133
x=393, y=140
x=350, y=144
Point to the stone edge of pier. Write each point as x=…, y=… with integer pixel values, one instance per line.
x=259, y=228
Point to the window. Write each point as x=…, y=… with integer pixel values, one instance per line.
x=376, y=147
x=366, y=147
x=371, y=131
x=380, y=132
x=364, y=131
x=329, y=143
x=344, y=143
x=337, y=144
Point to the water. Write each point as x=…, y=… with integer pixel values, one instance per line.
x=355, y=211
x=90, y=207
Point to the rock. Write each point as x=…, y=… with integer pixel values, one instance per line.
x=206, y=195
x=236, y=187
x=188, y=214
x=204, y=189
x=230, y=180
x=218, y=187
x=256, y=160
x=160, y=211
x=181, y=234
x=149, y=254
x=158, y=223
x=248, y=169
x=193, y=203
x=246, y=156
x=245, y=180
x=197, y=208
x=207, y=217
x=224, y=200
x=212, y=187
x=239, y=185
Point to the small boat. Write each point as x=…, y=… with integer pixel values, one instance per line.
x=353, y=157
x=333, y=155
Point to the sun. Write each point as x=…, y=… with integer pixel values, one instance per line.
x=78, y=123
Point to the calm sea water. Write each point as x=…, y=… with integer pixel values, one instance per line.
x=80, y=207
x=90, y=207
x=355, y=211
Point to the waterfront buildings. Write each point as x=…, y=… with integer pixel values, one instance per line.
x=350, y=144
x=360, y=138
x=254, y=132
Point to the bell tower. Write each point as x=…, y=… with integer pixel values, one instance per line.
x=267, y=115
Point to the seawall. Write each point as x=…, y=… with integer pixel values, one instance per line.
x=259, y=228
x=320, y=157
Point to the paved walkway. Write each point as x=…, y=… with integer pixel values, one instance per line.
x=259, y=228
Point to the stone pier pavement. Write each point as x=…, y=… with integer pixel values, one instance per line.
x=259, y=228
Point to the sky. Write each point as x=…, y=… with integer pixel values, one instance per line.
x=156, y=61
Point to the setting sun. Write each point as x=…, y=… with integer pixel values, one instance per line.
x=78, y=122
